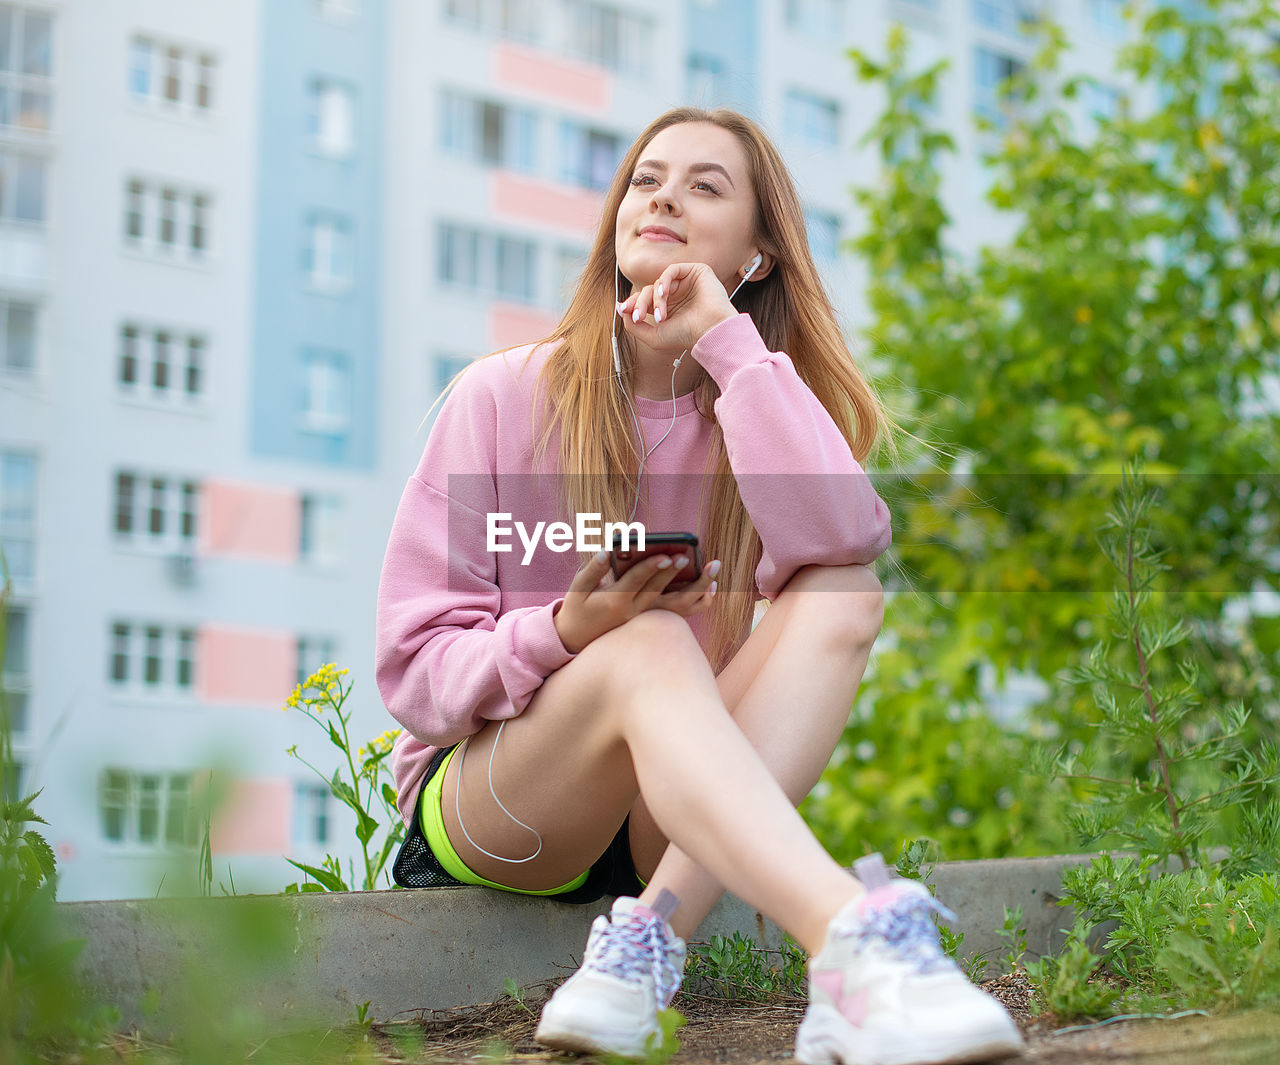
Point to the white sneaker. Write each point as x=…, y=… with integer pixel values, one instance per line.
x=881, y=992
x=631, y=969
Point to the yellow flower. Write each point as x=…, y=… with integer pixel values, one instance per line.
x=1084, y=315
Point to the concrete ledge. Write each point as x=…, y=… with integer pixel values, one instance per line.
x=307, y=960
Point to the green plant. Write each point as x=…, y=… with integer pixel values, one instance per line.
x=42, y=1004
x=737, y=968
x=660, y=1047
x=1015, y=935
x=323, y=699
x=1195, y=939
x=1175, y=779
x=1164, y=773
x=516, y=992
x=1066, y=984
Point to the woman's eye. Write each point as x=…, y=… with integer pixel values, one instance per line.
x=708, y=186
x=640, y=179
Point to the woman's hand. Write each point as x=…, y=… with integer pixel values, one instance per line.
x=686, y=301
x=593, y=606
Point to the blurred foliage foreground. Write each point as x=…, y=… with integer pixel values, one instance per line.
x=1132, y=315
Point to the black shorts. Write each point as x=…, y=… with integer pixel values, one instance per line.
x=613, y=873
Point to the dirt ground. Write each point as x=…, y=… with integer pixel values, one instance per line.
x=747, y=1034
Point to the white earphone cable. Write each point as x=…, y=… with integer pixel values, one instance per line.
x=457, y=803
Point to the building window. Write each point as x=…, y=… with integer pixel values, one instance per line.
x=199, y=212
x=811, y=120
x=1012, y=17
x=26, y=67
x=318, y=529
x=1100, y=103
x=487, y=264
x=337, y=10
x=17, y=336
x=447, y=368
x=151, y=658
x=815, y=18
x=18, y=514
x=1107, y=17
x=706, y=80
x=158, y=512
x=22, y=185
x=11, y=778
x=520, y=20
x=516, y=20
x=328, y=255
x=16, y=677
x=469, y=13
x=570, y=263
x=824, y=235
x=170, y=77
x=166, y=219
x=314, y=652
x=151, y=809
x=168, y=216
x=326, y=398
x=589, y=156
x=992, y=71
x=489, y=133
x=331, y=117
x=310, y=814
x=602, y=34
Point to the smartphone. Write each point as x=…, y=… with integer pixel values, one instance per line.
x=660, y=543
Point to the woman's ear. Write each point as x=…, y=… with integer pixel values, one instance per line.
x=757, y=268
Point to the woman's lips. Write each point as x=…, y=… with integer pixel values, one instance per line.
x=658, y=235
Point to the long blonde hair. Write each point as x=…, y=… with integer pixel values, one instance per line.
x=599, y=455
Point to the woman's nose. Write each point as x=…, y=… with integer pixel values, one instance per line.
x=663, y=199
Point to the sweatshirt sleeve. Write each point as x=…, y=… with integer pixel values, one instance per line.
x=810, y=500
x=446, y=662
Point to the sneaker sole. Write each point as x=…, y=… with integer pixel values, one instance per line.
x=567, y=1036
x=826, y=1038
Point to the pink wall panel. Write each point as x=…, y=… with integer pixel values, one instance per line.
x=255, y=818
x=245, y=666
x=249, y=521
x=510, y=326
x=562, y=81
x=530, y=200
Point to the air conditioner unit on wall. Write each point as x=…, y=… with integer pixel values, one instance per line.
x=182, y=569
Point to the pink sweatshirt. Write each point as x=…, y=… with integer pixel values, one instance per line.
x=466, y=635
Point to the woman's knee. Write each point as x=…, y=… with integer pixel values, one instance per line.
x=846, y=607
x=629, y=654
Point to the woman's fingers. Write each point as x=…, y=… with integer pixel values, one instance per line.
x=589, y=577
x=694, y=597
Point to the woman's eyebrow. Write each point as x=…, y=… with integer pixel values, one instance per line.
x=694, y=168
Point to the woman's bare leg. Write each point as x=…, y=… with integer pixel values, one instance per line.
x=638, y=710
x=789, y=688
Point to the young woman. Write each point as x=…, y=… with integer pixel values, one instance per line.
x=574, y=735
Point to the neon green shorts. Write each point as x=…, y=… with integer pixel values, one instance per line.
x=428, y=859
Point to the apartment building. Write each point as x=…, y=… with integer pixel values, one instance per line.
x=243, y=245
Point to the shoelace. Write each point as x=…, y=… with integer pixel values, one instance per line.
x=633, y=948
x=905, y=925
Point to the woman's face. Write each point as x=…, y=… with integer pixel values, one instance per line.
x=690, y=200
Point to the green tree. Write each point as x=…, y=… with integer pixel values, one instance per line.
x=1134, y=313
